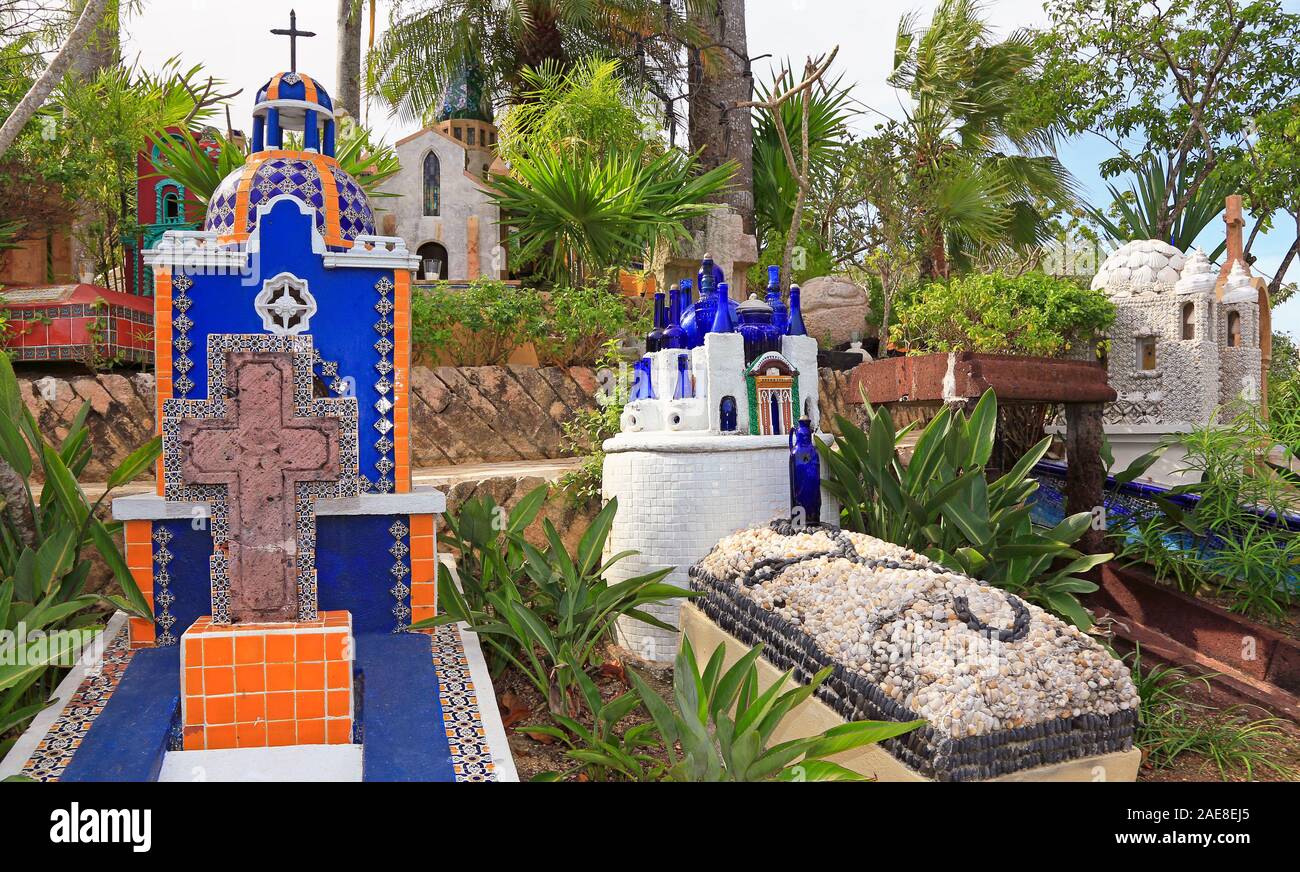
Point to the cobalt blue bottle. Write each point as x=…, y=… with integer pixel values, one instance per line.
x=805, y=474
x=724, y=316
x=674, y=335
x=654, y=339
x=795, y=326
x=684, y=390
x=780, y=317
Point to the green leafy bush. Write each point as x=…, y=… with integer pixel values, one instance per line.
x=589, y=428
x=1222, y=543
x=1031, y=314
x=41, y=543
x=550, y=624
x=478, y=325
x=579, y=322
x=723, y=722
x=941, y=504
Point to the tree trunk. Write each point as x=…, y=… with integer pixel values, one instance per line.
x=1085, y=473
x=541, y=40
x=347, y=80
x=720, y=77
x=63, y=60
x=101, y=53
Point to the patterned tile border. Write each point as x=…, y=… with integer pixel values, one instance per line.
x=95, y=683
x=457, y=660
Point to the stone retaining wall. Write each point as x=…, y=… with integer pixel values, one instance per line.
x=480, y=414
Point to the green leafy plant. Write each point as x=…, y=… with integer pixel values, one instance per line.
x=587, y=431
x=476, y=325
x=1141, y=212
x=599, y=751
x=1170, y=724
x=940, y=503
x=485, y=539
x=579, y=322
x=41, y=545
x=1032, y=314
x=723, y=723
x=1224, y=542
x=551, y=629
x=574, y=216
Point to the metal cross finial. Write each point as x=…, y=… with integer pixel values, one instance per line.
x=293, y=33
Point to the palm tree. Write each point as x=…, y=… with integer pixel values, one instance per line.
x=422, y=52
x=987, y=162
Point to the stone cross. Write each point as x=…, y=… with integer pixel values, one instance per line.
x=260, y=451
x=293, y=33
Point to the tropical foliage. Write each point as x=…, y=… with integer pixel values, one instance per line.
x=941, y=504
x=429, y=45
x=550, y=623
x=576, y=216
x=43, y=570
x=588, y=109
x=996, y=313
x=985, y=164
x=1139, y=212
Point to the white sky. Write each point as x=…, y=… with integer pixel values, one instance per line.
x=230, y=39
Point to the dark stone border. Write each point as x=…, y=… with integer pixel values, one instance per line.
x=853, y=697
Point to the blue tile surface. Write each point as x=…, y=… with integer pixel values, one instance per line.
x=402, y=727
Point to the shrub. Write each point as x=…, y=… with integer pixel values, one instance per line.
x=587, y=431
x=941, y=504
x=478, y=325
x=1029, y=314
x=578, y=322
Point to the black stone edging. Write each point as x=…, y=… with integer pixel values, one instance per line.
x=854, y=697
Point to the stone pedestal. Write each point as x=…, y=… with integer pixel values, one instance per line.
x=262, y=685
x=677, y=496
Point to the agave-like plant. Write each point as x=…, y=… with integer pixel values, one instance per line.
x=939, y=503
x=578, y=216
x=1143, y=210
x=723, y=723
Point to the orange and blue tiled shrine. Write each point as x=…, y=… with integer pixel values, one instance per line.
x=285, y=552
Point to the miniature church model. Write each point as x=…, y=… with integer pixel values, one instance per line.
x=1188, y=346
x=285, y=538
x=704, y=445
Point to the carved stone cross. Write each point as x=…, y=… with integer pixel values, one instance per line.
x=260, y=451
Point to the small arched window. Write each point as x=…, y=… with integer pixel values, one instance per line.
x=1234, y=329
x=727, y=414
x=1189, y=320
x=432, y=184
x=171, y=203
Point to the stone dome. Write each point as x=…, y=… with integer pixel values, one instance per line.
x=1140, y=267
x=341, y=206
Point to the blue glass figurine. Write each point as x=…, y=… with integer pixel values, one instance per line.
x=805, y=473
x=795, y=326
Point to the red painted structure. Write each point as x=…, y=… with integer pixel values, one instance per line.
x=78, y=323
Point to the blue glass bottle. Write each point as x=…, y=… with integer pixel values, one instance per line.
x=757, y=329
x=684, y=389
x=724, y=316
x=697, y=319
x=642, y=386
x=805, y=474
x=795, y=326
x=654, y=339
x=780, y=317
x=674, y=335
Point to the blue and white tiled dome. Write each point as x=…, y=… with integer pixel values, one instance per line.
x=341, y=207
